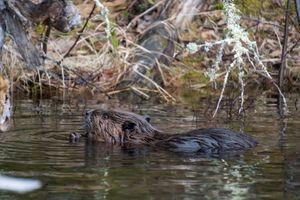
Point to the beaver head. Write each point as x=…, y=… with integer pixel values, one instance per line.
x=113, y=126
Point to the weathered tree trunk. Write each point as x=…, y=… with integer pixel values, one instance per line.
x=27, y=50
x=2, y=32
x=17, y=15
x=157, y=45
x=159, y=41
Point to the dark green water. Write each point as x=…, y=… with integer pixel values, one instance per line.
x=37, y=147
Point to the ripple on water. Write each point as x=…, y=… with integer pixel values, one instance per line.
x=38, y=147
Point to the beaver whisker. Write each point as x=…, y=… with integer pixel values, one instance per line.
x=120, y=127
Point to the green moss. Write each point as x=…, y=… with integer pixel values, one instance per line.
x=195, y=76
x=219, y=6
x=114, y=39
x=250, y=6
x=190, y=97
x=40, y=28
x=258, y=8
x=193, y=60
x=125, y=13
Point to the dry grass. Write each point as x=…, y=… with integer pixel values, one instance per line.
x=95, y=63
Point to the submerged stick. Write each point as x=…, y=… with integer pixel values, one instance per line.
x=281, y=101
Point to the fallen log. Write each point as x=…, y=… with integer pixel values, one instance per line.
x=25, y=47
x=157, y=44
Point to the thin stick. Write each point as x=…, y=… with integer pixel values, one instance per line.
x=46, y=37
x=140, y=93
x=163, y=92
x=80, y=32
x=224, y=86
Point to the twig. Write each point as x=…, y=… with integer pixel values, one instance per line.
x=224, y=86
x=80, y=33
x=140, y=93
x=46, y=37
x=161, y=73
x=164, y=92
x=117, y=91
x=281, y=101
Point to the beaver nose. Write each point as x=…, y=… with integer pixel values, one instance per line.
x=88, y=112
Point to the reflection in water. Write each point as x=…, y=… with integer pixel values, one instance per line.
x=20, y=185
x=37, y=147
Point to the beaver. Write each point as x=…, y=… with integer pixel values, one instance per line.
x=127, y=128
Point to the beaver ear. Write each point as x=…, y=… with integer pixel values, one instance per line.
x=147, y=118
x=128, y=126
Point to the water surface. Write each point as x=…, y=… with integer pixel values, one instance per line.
x=37, y=147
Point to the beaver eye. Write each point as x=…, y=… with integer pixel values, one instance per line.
x=105, y=116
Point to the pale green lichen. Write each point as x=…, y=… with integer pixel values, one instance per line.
x=104, y=12
x=192, y=47
x=242, y=48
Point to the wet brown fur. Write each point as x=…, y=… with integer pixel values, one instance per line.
x=114, y=127
x=120, y=127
